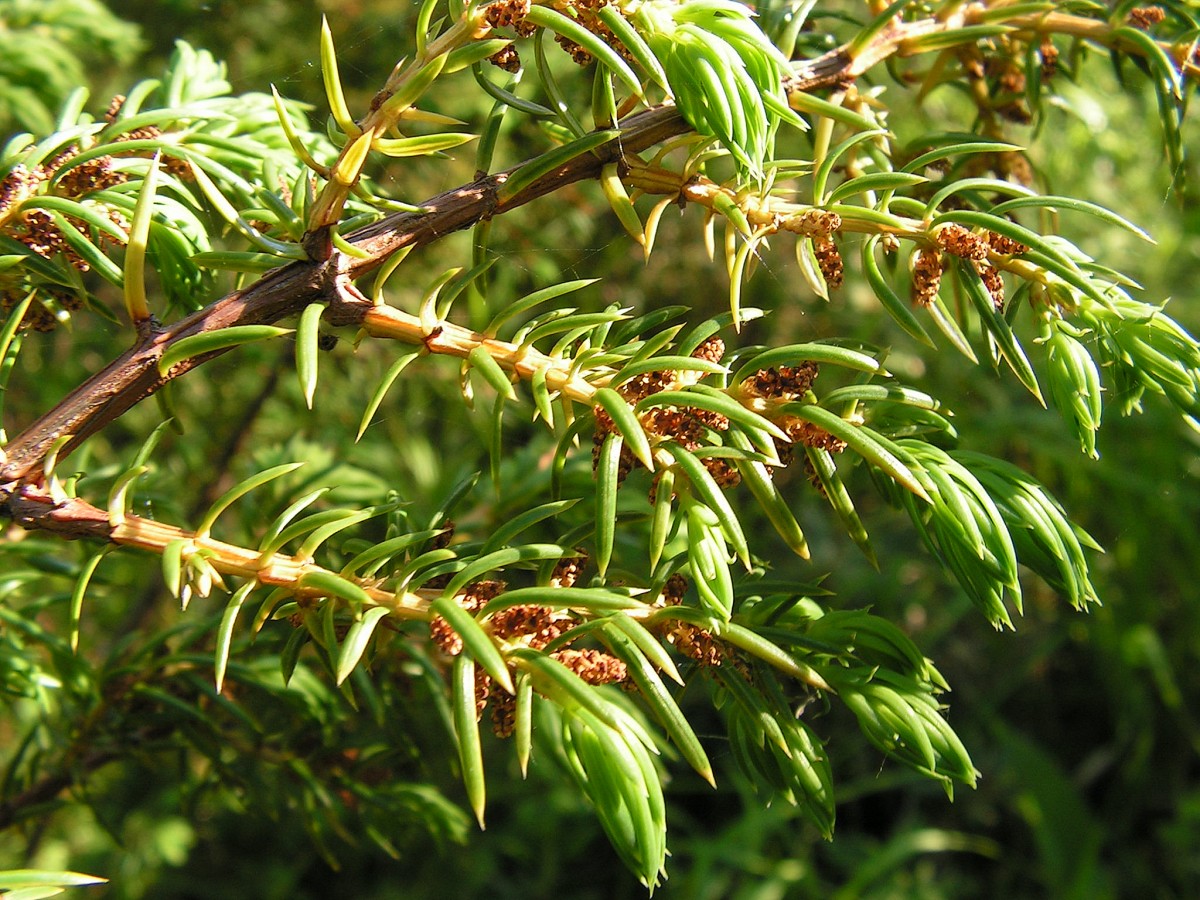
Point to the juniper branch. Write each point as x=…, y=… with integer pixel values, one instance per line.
x=74, y=519
x=284, y=292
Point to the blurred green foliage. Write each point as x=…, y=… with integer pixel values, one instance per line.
x=50, y=47
x=1085, y=726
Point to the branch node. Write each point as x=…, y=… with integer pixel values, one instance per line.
x=148, y=330
x=318, y=244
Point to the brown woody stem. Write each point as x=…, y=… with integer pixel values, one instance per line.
x=73, y=519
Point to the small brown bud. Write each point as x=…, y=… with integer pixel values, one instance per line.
x=1006, y=245
x=483, y=689
x=812, y=222
x=1015, y=167
x=927, y=276
x=567, y=570
x=117, y=217
x=506, y=58
x=180, y=168
x=641, y=386
x=625, y=461
x=652, y=496
x=814, y=478
x=68, y=300
x=475, y=596
x=535, y=623
x=679, y=425
x=709, y=419
x=114, y=108
x=1016, y=112
x=696, y=643
x=59, y=160
x=1012, y=80
x=39, y=318
x=506, y=13
x=40, y=234
x=711, y=350
x=992, y=281
x=1049, y=55
x=1146, y=17
x=959, y=241
x=444, y=637
x=786, y=453
x=829, y=259
x=479, y=593
x=724, y=473
x=504, y=713
x=786, y=382
x=10, y=298
x=604, y=425
x=145, y=133
x=443, y=540
x=674, y=589
x=15, y=187
x=578, y=54
x=93, y=175
x=810, y=435
x=593, y=666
